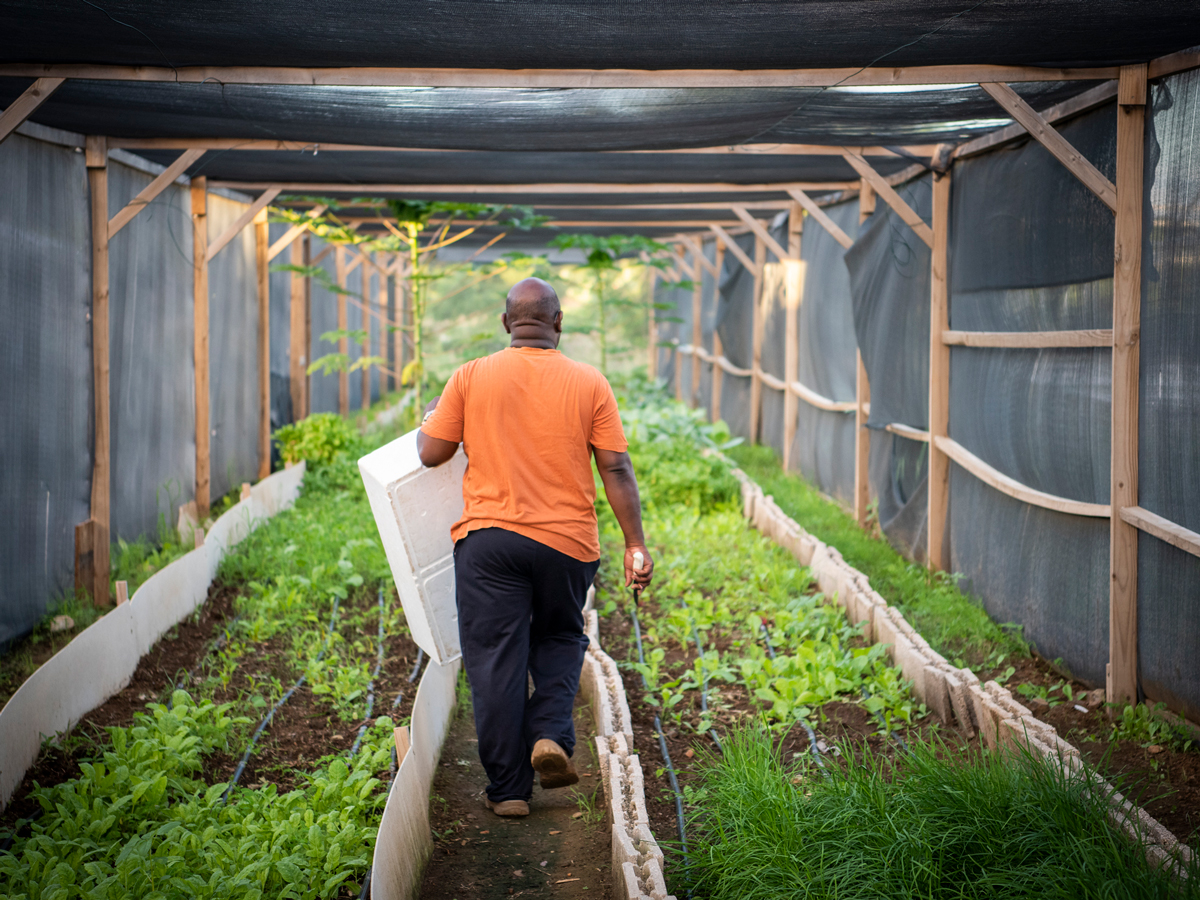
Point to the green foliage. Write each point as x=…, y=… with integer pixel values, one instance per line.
x=926, y=826
x=1146, y=725
x=321, y=439
x=954, y=625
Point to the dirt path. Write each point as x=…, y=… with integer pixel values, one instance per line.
x=562, y=849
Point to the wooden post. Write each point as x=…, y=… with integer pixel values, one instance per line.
x=866, y=200
x=298, y=352
x=793, y=297
x=1122, y=681
x=200, y=342
x=862, y=442
x=339, y=257
x=939, y=371
x=96, y=534
x=697, y=330
x=261, y=244
x=307, y=239
x=652, y=327
x=381, y=303
x=678, y=373
x=367, y=321
x=760, y=258
x=718, y=350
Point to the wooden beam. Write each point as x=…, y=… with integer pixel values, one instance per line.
x=1163, y=529
x=295, y=231
x=890, y=197
x=939, y=373
x=1122, y=681
x=737, y=251
x=697, y=251
x=298, y=351
x=862, y=442
x=792, y=298
x=907, y=431
x=395, y=76
x=822, y=217
x=760, y=258
x=1010, y=486
x=684, y=266
x=263, y=270
x=339, y=257
x=761, y=232
x=1060, y=148
x=97, y=533
x=200, y=343
x=866, y=201
x=1179, y=61
x=1080, y=103
x=152, y=190
x=584, y=187
x=250, y=215
x=25, y=105
x=1095, y=337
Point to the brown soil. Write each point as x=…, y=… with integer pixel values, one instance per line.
x=561, y=849
x=1164, y=782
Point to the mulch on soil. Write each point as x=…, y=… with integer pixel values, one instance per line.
x=561, y=849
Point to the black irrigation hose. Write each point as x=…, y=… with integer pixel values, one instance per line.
x=371, y=686
x=883, y=724
x=241, y=767
x=187, y=673
x=366, y=887
x=712, y=732
x=662, y=746
x=812, y=736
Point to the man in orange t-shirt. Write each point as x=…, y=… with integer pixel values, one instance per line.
x=527, y=547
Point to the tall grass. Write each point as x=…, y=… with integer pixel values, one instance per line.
x=927, y=826
x=954, y=625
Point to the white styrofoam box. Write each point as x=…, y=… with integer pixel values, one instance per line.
x=414, y=508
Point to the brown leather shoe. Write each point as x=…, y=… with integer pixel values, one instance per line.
x=508, y=807
x=551, y=762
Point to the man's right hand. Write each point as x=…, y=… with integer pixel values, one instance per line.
x=638, y=577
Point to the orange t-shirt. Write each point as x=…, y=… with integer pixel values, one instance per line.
x=528, y=420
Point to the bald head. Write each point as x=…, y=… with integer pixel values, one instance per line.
x=531, y=301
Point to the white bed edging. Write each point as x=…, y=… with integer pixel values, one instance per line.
x=955, y=695
x=102, y=658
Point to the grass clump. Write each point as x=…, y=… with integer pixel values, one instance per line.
x=954, y=625
x=984, y=825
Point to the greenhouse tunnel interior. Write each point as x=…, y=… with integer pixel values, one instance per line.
x=742, y=149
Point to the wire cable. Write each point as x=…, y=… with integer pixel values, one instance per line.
x=812, y=735
x=362, y=730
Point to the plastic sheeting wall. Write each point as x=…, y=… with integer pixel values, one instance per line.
x=1168, y=407
x=46, y=370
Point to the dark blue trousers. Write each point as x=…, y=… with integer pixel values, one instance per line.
x=520, y=614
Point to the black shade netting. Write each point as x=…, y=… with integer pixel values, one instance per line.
x=735, y=326
x=281, y=331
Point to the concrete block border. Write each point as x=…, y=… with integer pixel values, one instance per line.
x=637, y=860
x=954, y=695
x=102, y=658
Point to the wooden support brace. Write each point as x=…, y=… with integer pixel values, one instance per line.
x=295, y=231
x=729, y=242
x=1163, y=529
x=1060, y=148
x=96, y=536
x=697, y=251
x=683, y=265
x=250, y=215
x=761, y=232
x=146, y=196
x=822, y=217
x=890, y=197
x=1122, y=681
x=353, y=263
x=200, y=355
x=23, y=107
x=939, y=372
x=263, y=271
x=866, y=201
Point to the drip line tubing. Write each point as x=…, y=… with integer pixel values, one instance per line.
x=883, y=724
x=187, y=673
x=662, y=746
x=371, y=686
x=812, y=735
x=241, y=767
x=712, y=732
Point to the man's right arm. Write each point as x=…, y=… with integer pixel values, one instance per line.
x=620, y=486
x=434, y=451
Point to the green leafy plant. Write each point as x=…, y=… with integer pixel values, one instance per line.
x=1148, y=725
x=321, y=439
